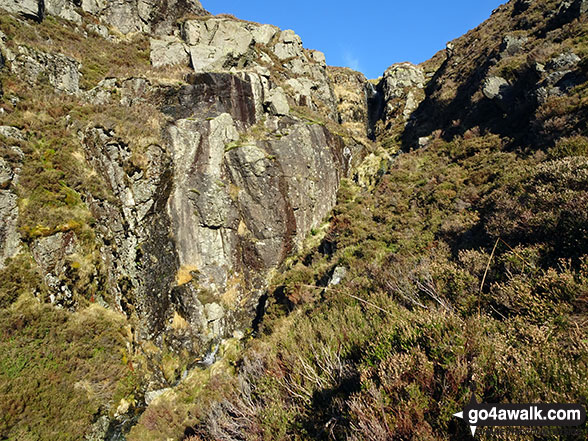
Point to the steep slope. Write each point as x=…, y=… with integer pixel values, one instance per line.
x=160, y=163
x=463, y=270
x=198, y=241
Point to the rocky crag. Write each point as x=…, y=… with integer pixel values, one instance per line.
x=159, y=165
x=245, y=160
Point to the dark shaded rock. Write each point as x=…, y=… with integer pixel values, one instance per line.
x=521, y=6
x=569, y=10
x=210, y=94
x=138, y=250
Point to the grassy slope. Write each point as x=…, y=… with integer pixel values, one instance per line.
x=61, y=370
x=396, y=348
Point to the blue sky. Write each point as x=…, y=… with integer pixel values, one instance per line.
x=366, y=35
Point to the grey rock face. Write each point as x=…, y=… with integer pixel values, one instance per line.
x=238, y=210
x=338, y=275
x=564, y=61
x=399, y=76
x=33, y=9
x=60, y=71
x=150, y=16
x=157, y=17
x=216, y=43
x=9, y=237
x=277, y=102
x=289, y=45
x=350, y=88
x=559, y=75
x=51, y=253
x=196, y=231
x=192, y=226
x=65, y=9
x=137, y=250
x=169, y=51
x=399, y=94
x=9, y=174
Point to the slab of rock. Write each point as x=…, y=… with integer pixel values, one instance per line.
x=495, y=87
x=512, y=44
x=263, y=34
x=277, y=103
x=169, y=51
x=289, y=45
x=65, y=9
x=225, y=34
x=564, y=61
x=11, y=132
x=206, y=58
x=9, y=236
x=59, y=70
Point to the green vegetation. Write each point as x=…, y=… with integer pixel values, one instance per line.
x=396, y=348
x=99, y=58
x=57, y=370
x=466, y=263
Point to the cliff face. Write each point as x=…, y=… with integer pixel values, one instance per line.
x=160, y=167
x=232, y=162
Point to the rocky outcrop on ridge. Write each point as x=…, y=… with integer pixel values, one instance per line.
x=158, y=17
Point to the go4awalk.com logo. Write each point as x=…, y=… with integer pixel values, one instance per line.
x=522, y=415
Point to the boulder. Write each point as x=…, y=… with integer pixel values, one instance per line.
x=401, y=90
x=289, y=45
x=65, y=9
x=11, y=132
x=302, y=91
x=512, y=44
x=208, y=58
x=339, y=274
x=399, y=76
x=263, y=34
x=225, y=34
x=564, y=61
x=318, y=57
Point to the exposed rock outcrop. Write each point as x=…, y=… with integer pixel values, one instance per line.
x=192, y=223
x=10, y=166
x=351, y=89
x=59, y=71
x=137, y=250
x=32, y=9
x=393, y=100
x=149, y=16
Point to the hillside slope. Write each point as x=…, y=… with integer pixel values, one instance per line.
x=464, y=269
x=209, y=234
